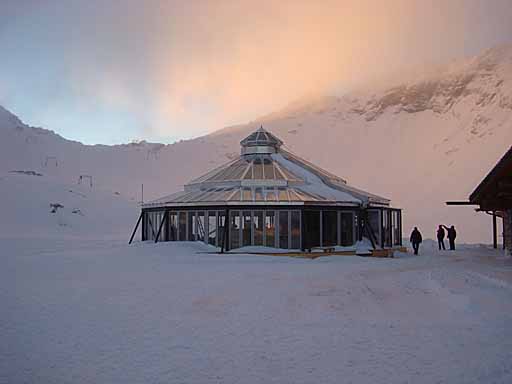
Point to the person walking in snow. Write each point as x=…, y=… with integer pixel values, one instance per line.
x=452, y=234
x=440, y=237
x=416, y=240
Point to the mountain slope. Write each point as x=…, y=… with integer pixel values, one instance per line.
x=420, y=143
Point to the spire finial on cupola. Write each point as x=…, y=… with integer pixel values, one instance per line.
x=260, y=141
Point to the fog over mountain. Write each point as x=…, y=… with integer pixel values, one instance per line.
x=418, y=142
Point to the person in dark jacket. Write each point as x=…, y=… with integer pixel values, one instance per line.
x=440, y=237
x=452, y=234
x=416, y=240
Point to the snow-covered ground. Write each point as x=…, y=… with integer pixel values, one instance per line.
x=78, y=305
x=100, y=311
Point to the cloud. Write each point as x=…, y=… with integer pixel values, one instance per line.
x=188, y=68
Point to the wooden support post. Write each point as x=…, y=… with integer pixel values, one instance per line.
x=161, y=226
x=494, y=231
x=136, y=226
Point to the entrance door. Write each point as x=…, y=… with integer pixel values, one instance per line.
x=311, y=229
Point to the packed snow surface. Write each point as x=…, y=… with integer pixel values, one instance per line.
x=96, y=311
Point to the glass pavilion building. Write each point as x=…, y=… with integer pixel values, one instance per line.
x=272, y=198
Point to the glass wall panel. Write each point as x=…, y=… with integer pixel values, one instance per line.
x=374, y=222
x=386, y=227
x=173, y=226
x=283, y=229
x=163, y=232
x=221, y=225
x=295, y=229
x=270, y=194
x=153, y=224
x=258, y=169
x=311, y=229
x=258, y=194
x=329, y=228
x=270, y=229
x=247, y=194
x=200, y=226
x=246, y=228
x=258, y=227
x=212, y=228
x=191, y=233
x=234, y=227
x=395, y=223
x=182, y=226
x=347, y=224
x=148, y=226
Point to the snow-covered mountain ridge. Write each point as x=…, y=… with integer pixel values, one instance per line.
x=419, y=142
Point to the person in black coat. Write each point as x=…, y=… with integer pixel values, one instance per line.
x=452, y=234
x=440, y=237
x=416, y=240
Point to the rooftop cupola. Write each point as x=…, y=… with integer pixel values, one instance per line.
x=260, y=142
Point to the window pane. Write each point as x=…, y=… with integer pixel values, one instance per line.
x=295, y=227
x=182, y=226
x=152, y=230
x=270, y=229
x=311, y=229
x=246, y=228
x=258, y=227
x=200, y=226
x=283, y=229
x=347, y=228
x=247, y=194
x=163, y=233
x=173, y=226
x=396, y=228
x=234, y=227
x=283, y=194
x=221, y=225
x=386, y=227
x=258, y=169
x=147, y=228
x=268, y=169
x=329, y=228
x=374, y=222
x=248, y=174
x=212, y=228
x=279, y=175
x=191, y=226
x=259, y=194
x=236, y=196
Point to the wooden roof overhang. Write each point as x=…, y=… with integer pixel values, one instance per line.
x=494, y=193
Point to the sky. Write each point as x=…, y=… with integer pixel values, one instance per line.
x=116, y=71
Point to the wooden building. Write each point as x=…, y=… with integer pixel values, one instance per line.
x=270, y=197
x=494, y=195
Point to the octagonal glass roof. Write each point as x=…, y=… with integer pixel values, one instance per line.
x=265, y=173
